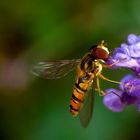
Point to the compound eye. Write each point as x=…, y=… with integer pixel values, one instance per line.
x=100, y=53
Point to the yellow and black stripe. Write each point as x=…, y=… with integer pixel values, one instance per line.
x=78, y=97
x=82, y=84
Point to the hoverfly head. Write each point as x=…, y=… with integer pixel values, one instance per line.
x=100, y=51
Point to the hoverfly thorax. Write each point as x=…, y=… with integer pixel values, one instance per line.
x=100, y=52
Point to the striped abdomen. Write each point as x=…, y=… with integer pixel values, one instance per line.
x=78, y=95
x=85, y=75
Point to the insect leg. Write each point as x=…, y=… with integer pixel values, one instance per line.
x=115, y=94
x=110, y=65
x=100, y=92
x=104, y=78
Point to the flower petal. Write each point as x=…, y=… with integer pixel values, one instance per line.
x=134, y=50
x=128, y=63
x=125, y=47
x=120, y=54
x=132, y=39
x=127, y=54
x=128, y=99
x=113, y=101
x=125, y=80
x=132, y=87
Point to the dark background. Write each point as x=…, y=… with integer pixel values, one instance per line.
x=32, y=108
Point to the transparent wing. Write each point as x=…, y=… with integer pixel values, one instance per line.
x=54, y=69
x=87, y=109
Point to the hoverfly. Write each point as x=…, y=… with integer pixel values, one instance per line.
x=89, y=69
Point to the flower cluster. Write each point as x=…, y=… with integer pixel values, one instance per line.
x=127, y=56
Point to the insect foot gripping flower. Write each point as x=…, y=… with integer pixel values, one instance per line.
x=128, y=54
x=117, y=100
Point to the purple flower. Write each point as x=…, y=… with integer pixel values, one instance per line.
x=112, y=100
x=131, y=85
x=117, y=100
x=127, y=55
x=134, y=45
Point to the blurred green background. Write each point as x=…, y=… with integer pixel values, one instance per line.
x=32, y=108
